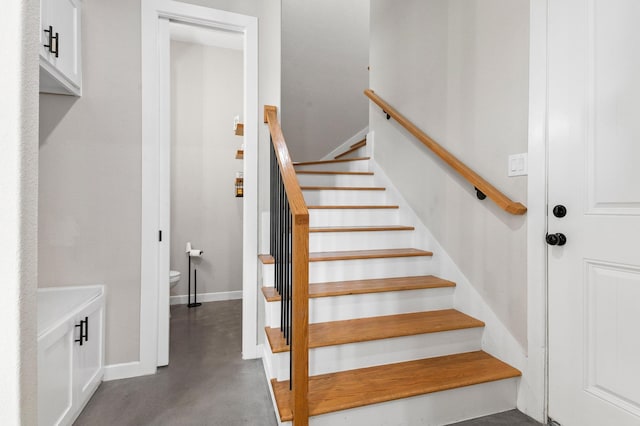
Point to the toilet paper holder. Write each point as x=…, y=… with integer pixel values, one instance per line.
x=193, y=253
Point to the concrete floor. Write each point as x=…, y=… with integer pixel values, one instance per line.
x=207, y=382
x=508, y=418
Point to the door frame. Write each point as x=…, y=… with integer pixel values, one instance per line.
x=155, y=152
x=534, y=398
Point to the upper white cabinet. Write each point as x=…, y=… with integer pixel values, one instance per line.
x=60, y=58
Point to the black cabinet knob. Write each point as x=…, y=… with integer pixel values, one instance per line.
x=557, y=239
x=559, y=211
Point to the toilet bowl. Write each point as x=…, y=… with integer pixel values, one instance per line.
x=174, y=278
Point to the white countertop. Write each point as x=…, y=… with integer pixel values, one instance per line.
x=56, y=303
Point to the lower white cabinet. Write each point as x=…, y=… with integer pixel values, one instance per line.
x=70, y=351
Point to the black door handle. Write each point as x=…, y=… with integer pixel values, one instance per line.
x=84, y=331
x=557, y=239
x=81, y=338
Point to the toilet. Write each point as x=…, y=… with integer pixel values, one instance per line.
x=174, y=278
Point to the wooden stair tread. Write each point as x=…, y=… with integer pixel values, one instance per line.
x=326, y=172
x=377, y=285
x=363, y=142
x=355, y=388
x=343, y=188
x=352, y=148
x=341, y=160
x=346, y=207
x=377, y=328
x=367, y=254
x=361, y=228
x=324, y=256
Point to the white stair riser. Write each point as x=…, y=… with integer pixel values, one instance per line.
x=337, y=308
x=353, y=217
x=341, y=166
x=438, y=408
x=361, y=269
x=342, y=197
x=334, y=241
x=331, y=359
x=335, y=180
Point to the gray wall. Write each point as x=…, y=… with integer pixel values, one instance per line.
x=325, y=54
x=90, y=162
x=90, y=174
x=206, y=93
x=459, y=70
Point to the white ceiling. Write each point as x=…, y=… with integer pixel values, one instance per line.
x=206, y=36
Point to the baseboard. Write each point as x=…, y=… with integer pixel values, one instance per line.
x=207, y=297
x=124, y=370
x=346, y=144
x=253, y=353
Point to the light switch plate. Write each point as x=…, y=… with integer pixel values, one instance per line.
x=518, y=165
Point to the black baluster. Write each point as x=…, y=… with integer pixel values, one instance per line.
x=272, y=215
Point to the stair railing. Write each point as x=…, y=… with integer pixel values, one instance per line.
x=483, y=188
x=289, y=246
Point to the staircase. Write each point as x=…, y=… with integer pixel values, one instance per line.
x=386, y=346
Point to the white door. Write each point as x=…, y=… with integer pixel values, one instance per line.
x=594, y=171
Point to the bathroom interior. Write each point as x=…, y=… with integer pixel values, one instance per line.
x=206, y=211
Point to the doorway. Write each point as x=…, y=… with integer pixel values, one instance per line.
x=206, y=97
x=155, y=255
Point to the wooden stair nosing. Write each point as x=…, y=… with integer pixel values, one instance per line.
x=343, y=188
x=331, y=172
x=354, y=207
x=341, y=160
x=353, y=148
x=361, y=141
x=356, y=388
x=375, y=285
x=326, y=229
x=327, y=256
x=377, y=328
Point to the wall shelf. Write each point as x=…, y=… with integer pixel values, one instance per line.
x=239, y=187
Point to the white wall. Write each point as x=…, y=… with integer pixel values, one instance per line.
x=206, y=93
x=90, y=196
x=459, y=70
x=325, y=54
x=19, y=30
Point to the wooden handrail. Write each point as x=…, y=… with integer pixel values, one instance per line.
x=300, y=273
x=482, y=186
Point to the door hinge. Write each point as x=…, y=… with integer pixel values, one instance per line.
x=160, y=235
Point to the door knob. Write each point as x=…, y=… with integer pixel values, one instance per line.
x=559, y=211
x=556, y=239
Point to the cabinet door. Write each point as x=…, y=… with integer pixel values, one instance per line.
x=88, y=357
x=63, y=16
x=55, y=376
